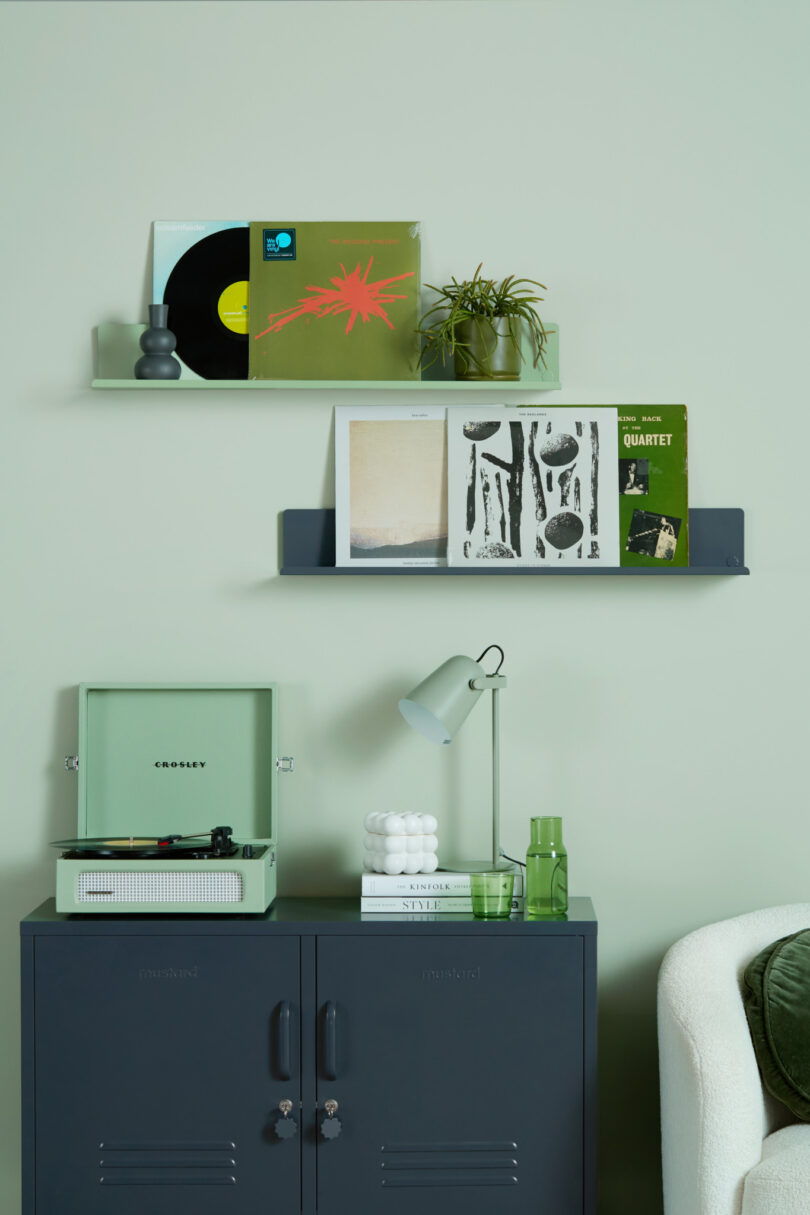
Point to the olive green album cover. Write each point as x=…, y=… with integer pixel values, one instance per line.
x=334, y=301
x=653, y=485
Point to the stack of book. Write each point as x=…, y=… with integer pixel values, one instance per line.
x=442, y=892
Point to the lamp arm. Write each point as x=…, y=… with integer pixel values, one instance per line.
x=496, y=780
x=495, y=683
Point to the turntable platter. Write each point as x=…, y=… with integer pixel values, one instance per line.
x=130, y=842
x=139, y=847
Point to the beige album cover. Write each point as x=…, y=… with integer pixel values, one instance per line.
x=391, y=486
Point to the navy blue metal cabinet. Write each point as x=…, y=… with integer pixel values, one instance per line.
x=430, y=1064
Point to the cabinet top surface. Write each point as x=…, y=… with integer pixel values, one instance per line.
x=309, y=916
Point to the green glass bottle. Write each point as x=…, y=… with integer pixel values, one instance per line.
x=546, y=869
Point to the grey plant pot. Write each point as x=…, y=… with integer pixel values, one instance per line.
x=491, y=348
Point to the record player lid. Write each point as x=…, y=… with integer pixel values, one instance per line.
x=160, y=758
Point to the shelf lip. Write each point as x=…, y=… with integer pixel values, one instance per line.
x=612, y=570
x=336, y=385
x=118, y=349
x=716, y=548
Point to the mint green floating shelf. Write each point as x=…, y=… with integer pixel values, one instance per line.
x=336, y=385
x=118, y=351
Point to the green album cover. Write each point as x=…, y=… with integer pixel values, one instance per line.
x=334, y=301
x=653, y=485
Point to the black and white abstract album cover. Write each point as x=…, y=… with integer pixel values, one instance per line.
x=533, y=486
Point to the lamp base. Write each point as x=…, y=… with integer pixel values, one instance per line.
x=454, y=866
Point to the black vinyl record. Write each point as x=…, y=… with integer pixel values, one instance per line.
x=131, y=846
x=140, y=849
x=193, y=292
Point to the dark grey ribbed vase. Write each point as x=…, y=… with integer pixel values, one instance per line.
x=157, y=343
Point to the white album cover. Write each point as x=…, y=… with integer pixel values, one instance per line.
x=533, y=486
x=390, y=486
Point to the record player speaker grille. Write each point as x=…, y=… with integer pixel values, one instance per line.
x=163, y=887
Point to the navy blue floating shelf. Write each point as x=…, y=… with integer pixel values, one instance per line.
x=716, y=546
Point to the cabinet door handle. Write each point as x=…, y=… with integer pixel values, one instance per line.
x=284, y=1048
x=330, y=1040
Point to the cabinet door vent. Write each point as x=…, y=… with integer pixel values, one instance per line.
x=448, y=1164
x=167, y=1164
x=164, y=887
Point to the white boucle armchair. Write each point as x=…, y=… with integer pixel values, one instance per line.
x=728, y=1148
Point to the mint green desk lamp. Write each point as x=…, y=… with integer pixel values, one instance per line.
x=439, y=706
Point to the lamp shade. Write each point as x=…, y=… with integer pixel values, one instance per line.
x=439, y=705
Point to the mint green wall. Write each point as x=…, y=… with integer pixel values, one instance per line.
x=648, y=162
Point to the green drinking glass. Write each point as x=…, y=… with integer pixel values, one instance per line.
x=492, y=895
x=546, y=869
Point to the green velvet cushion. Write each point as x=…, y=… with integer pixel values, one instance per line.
x=776, y=993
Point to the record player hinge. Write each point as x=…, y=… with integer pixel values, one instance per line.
x=285, y=763
x=71, y=763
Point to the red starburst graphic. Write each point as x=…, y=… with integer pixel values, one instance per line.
x=353, y=294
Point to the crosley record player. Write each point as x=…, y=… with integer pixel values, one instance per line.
x=161, y=767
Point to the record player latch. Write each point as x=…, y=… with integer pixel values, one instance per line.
x=71, y=763
x=285, y=763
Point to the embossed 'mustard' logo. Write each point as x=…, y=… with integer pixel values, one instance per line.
x=168, y=972
x=452, y=974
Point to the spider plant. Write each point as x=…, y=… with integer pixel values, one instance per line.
x=481, y=300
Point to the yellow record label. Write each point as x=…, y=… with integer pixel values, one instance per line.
x=232, y=307
x=130, y=843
